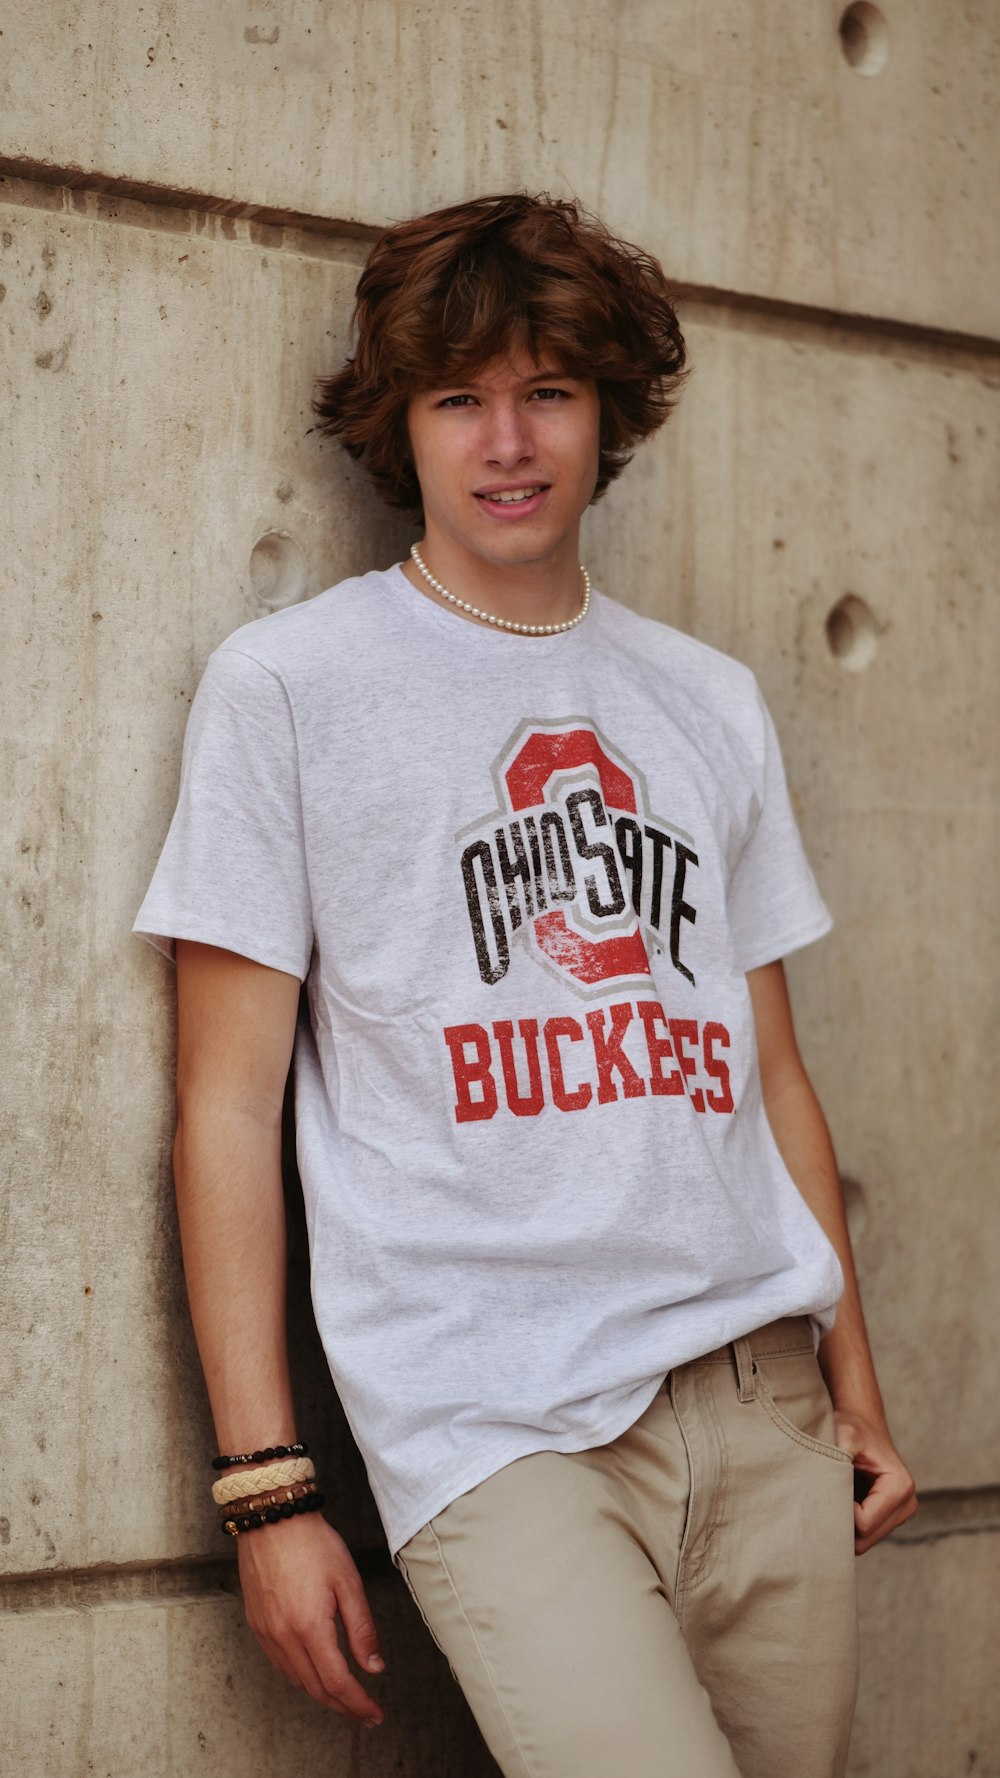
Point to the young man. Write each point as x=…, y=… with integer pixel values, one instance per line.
x=575, y=1222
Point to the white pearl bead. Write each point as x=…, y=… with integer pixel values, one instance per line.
x=503, y=623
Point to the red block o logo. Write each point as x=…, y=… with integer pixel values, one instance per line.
x=528, y=776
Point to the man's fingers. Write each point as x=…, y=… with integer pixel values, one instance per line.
x=278, y=1658
x=887, y=1493
x=359, y=1626
x=320, y=1669
x=312, y=1681
x=890, y=1501
x=862, y=1545
x=337, y=1683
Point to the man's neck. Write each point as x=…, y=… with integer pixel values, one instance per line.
x=548, y=591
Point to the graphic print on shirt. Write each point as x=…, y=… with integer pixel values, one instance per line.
x=573, y=861
x=573, y=867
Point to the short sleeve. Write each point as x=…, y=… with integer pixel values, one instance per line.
x=774, y=905
x=233, y=867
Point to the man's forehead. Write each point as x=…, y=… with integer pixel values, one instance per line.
x=511, y=369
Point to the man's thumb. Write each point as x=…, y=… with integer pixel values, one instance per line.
x=362, y=1635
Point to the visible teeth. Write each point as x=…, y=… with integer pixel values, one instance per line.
x=518, y=494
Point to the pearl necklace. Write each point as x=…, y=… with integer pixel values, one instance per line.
x=503, y=623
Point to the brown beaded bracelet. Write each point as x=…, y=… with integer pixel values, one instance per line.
x=255, y=1503
x=287, y=1510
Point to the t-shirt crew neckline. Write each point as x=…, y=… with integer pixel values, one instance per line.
x=466, y=630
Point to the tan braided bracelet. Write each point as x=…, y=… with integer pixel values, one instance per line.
x=254, y=1481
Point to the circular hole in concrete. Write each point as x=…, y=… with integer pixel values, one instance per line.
x=864, y=38
x=851, y=633
x=856, y=1208
x=277, y=571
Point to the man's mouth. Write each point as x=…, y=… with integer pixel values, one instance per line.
x=513, y=496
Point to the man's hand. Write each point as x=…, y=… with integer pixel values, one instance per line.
x=799, y=1128
x=892, y=1497
x=297, y=1578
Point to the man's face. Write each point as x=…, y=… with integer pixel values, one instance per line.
x=507, y=463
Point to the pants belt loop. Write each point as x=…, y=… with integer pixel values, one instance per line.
x=745, y=1369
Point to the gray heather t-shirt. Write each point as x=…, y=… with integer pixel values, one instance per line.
x=522, y=878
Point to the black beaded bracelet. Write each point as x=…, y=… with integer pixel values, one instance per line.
x=287, y=1510
x=266, y=1456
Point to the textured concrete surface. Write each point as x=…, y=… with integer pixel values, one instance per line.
x=737, y=138
x=823, y=504
x=929, y=1701
x=174, y=1684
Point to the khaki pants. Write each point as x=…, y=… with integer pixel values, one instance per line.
x=679, y=1603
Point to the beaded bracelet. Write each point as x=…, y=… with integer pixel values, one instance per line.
x=255, y=1503
x=252, y=1481
x=253, y=1521
x=265, y=1456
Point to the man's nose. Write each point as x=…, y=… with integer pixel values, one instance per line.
x=508, y=440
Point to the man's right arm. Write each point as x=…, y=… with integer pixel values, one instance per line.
x=236, y=1026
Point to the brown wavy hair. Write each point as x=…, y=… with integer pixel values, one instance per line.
x=445, y=294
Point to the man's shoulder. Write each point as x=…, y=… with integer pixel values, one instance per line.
x=691, y=664
x=325, y=626
x=711, y=695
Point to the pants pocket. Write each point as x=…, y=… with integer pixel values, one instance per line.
x=792, y=1392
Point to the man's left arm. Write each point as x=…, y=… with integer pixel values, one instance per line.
x=801, y=1133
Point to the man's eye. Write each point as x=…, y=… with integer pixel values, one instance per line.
x=552, y=394
x=455, y=400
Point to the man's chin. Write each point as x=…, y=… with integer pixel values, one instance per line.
x=517, y=548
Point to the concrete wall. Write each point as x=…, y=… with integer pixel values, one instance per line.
x=187, y=194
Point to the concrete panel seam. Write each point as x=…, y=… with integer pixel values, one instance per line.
x=185, y=213
x=134, y=203
x=82, y=1590
x=959, y=1512
x=765, y=314
x=119, y=185
x=120, y=1587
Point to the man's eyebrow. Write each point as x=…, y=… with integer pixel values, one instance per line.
x=473, y=382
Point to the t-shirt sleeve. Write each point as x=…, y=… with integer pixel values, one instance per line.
x=233, y=867
x=774, y=904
